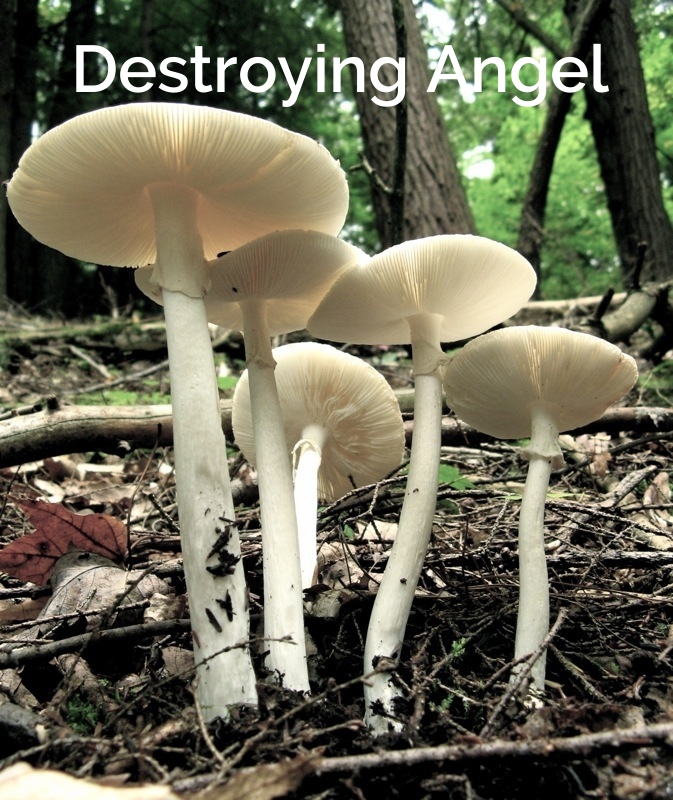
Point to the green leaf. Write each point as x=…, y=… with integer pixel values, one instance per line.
x=451, y=475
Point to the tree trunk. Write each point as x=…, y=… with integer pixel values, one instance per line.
x=8, y=16
x=434, y=198
x=62, y=282
x=531, y=227
x=624, y=137
x=20, y=247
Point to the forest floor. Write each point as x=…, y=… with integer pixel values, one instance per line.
x=124, y=712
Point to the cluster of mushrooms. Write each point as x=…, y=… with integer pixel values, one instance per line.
x=234, y=220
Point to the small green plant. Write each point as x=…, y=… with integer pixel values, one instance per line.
x=657, y=383
x=458, y=647
x=451, y=476
x=349, y=533
x=82, y=715
x=227, y=383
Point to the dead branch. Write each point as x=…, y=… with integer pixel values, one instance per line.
x=119, y=430
x=559, y=748
x=43, y=651
x=621, y=323
x=75, y=429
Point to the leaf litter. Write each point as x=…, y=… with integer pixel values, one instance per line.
x=609, y=534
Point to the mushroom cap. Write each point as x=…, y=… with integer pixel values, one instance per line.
x=320, y=385
x=82, y=187
x=495, y=380
x=471, y=282
x=291, y=270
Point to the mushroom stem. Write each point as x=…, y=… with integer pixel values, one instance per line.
x=395, y=595
x=307, y=455
x=543, y=453
x=283, y=599
x=224, y=670
x=533, y=613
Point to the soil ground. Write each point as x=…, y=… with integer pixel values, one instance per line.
x=127, y=714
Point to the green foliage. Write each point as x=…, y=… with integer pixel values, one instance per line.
x=123, y=397
x=82, y=715
x=227, y=383
x=349, y=534
x=655, y=26
x=451, y=476
x=656, y=384
x=495, y=139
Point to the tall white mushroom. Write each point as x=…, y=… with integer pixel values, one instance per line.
x=172, y=185
x=342, y=423
x=423, y=292
x=267, y=287
x=535, y=382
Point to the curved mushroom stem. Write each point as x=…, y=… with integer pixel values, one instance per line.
x=283, y=598
x=307, y=456
x=544, y=454
x=395, y=595
x=218, y=599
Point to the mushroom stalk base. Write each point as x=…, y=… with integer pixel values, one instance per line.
x=533, y=614
x=218, y=600
x=394, y=598
x=283, y=598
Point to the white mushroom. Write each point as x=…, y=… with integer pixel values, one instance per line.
x=423, y=292
x=267, y=287
x=342, y=423
x=535, y=382
x=172, y=185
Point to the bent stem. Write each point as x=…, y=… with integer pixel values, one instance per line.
x=283, y=598
x=395, y=595
x=544, y=454
x=307, y=456
x=218, y=600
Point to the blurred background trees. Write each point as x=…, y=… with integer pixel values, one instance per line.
x=474, y=176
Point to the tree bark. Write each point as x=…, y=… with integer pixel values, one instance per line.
x=20, y=247
x=624, y=136
x=531, y=227
x=8, y=16
x=434, y=198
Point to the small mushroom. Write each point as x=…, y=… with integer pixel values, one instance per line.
x=172, y=185
x=342, y=423
x=267, y=287
x=422, y=292
x=535, y=382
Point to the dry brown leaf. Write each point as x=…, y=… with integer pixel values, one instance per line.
x=264, y=782
x=85, y=582
x=23, y=781
x=31, y=558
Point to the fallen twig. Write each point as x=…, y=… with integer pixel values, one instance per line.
x=46, y=650
x=560, y=748
x=118, y=429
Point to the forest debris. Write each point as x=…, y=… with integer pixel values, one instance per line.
x=496, y=750
x=20, y=729
x=22, y=780
x=654, y=524
x=86, y=582
x=177, y=661
x=116, y=429
x=86, y=585
x=31, y=558
x=263, y=782
x=80, y=679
